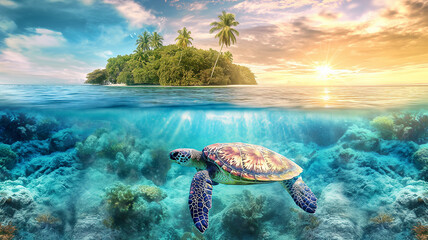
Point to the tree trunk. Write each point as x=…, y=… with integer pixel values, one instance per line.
x=181, y=55
x=215, y=64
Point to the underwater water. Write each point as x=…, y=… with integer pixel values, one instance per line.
x=91, y=162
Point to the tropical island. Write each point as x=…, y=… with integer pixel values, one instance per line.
x=177, y=64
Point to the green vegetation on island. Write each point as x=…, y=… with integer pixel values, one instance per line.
x=177, y=64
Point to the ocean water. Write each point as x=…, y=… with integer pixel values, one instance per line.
x=91, y=162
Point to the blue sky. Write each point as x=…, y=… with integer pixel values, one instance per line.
x=284, y=41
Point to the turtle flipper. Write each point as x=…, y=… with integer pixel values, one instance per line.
x=200, y=199
x=301, y=194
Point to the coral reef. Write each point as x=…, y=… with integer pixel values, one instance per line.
x=421, y=231
x=87, y=150
x=411, y=127
x=384, y=125
x=152, y=193
x=360, y=139
x=8, y=158
x=47, y=220
x=100, y=179
x=420, y=158
x=382, y=218
x=129, y=212
x=16, y=127
x=157, y=168
x=7, y=232
x=247, y=211
x=403, y=126
x=31, y=148
x=120, y=199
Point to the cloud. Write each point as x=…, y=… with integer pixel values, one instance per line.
x=105, y=54
x=88, y=2
x=6, y=25
x=195, y=6
x=269, y=6
x=30, y=57
x=135, y=13
x=386, y=40
x=8, y=3
x=38, y=38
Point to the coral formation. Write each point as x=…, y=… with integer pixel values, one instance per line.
x=404, y=126
x=16, y=127
x=411, y=127
x=129, y=212
x=8, y=158
x=384, y=125
x=7, y=232
x=152, y=193
x=360, y=139
x=157, y=168
x=420, y=158
x=47, y=221
x=382, y=218
x=86, y=150
x=120, y=199
x=247, y=211
x=421, y=231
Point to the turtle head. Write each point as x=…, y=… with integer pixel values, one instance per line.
x=187, y=157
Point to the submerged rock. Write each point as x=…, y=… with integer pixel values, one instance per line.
x=337, y=221
x=63, y=140
x=31, y=148
x=402, y=149
x=360, y=139
x=17, y=204
x=92, y=228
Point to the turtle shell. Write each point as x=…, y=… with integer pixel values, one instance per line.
x=252, y=162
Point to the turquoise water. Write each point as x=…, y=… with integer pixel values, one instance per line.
x=91, y=162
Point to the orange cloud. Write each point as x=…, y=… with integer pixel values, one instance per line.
x=380, y=47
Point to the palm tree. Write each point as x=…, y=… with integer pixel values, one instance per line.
x=226, y=35
x=228, y=56
x=156, y=40
x=143, y=42
x=183, y=40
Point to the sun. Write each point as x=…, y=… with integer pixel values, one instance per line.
x=324, y=71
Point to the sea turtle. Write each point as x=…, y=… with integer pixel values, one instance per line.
x=239, y=164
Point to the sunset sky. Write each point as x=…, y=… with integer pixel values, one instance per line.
x=306, y=42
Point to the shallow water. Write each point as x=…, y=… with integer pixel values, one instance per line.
x=75, y=145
